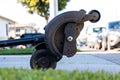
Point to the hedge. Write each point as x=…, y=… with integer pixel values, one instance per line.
x=25, y=74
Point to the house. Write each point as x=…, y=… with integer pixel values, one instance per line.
x=4, y=27
x=9, y=21
x=16, y=30
x=13, y=29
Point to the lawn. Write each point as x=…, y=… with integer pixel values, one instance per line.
x=14, y=51
x=24, y=74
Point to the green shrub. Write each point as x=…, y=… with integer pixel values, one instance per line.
x=23, y=74
x=14, y=51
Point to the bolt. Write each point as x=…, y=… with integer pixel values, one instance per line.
x=70, y=38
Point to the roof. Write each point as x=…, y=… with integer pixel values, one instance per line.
x=7, y=20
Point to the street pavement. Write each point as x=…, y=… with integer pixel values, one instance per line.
x=81, y=61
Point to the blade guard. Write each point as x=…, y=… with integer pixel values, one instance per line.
x=55, y=31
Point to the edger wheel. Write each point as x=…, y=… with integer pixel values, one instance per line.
x=54, y=31
x=96, y=16
x=43, y=59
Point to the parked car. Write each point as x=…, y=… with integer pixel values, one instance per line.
x=94, y=37
x=114, y=34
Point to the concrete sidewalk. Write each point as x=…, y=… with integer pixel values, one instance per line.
x=87, y=62
x=79, y=61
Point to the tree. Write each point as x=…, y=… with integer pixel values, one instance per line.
x=41, y=7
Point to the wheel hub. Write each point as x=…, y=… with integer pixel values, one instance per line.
x=43, y=62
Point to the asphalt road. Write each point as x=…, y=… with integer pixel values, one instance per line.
x=81, y=61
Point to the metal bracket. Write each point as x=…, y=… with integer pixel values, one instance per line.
x=69, y=48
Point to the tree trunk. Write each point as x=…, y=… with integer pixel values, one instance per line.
x=47, y=17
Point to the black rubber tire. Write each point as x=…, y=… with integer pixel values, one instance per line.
x=98, y=16
x=42, y=53
x=57, y=23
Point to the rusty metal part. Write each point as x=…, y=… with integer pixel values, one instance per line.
x=43, y=59
x=71, y=32
x=93, y=16
x=54, y=31
x=69, y=48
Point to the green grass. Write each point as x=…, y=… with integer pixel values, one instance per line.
x=14, y=51
x=23, y=74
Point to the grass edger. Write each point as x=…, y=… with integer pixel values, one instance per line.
x=58, y=40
